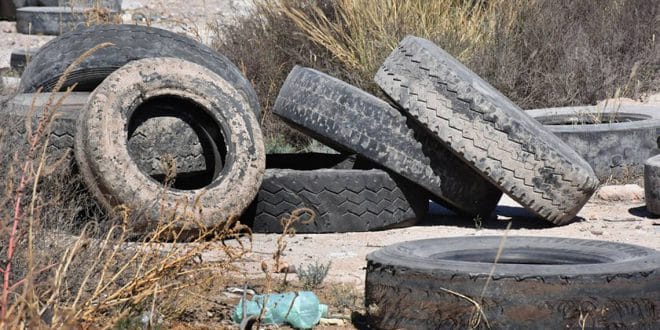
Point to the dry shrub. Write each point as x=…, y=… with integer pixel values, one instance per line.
x=266, y=45
x=540, y=53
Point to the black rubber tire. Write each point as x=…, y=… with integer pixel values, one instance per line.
x=148, y=145
x=351, y=120
x=487, y=130
x=344, y=195
x=20, y=57
x=49, y=20
x=209, y=102
x=16, y=110
x=652, y=184
x=615, y=149
x=538, y=283
x=131, y=42
x=7, y=10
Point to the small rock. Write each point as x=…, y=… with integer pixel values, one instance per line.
x=627, y=193
x=597, y=232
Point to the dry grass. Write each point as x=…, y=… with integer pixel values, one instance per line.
x=540, y=53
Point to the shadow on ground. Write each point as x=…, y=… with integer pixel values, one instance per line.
x=519, y=217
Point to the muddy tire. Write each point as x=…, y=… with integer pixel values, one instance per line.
x=131, y=42
x=351, y=120
x=617, y=147
x=652, y=184
x=345, y=196
x=148, y=146
x=538, y=283
x=487, y=130
x=198, y=96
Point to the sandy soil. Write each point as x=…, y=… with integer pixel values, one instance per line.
x=623, y=221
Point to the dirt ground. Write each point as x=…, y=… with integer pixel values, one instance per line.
x=623, y=221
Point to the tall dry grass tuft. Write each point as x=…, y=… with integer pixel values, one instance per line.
x=540, y=53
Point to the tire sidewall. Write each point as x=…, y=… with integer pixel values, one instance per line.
x=102, y=143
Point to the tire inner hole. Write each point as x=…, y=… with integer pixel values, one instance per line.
x=173, y=137
x=590, y=119
x=527, y=256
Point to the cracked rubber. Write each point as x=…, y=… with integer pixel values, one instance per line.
x=652, y=184
x=538, y=283
x=617, y=147
x=131, y=42
x=351, y=120
x=345, y=195
x=114, y=109
x=488, y=131
x=148, y=146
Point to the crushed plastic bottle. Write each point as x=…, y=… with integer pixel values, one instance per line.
x=302, y=310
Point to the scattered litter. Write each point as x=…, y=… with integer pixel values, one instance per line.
x=301, y=310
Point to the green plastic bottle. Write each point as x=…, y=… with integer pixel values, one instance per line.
x=302, y=310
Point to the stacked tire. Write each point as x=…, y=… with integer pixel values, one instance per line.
x=54, y=17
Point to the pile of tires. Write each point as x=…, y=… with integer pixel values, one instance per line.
x=451, y=138
x=168, y=128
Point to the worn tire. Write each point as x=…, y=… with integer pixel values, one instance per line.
x=347, y=118
x=16, y=110
x=487, y=130
x=148, y=146
x=538, y=283
x=204, y=100
x=131, y=42
x=652, y=184
x=49, y=20
x=345, y=196
x=615, y=149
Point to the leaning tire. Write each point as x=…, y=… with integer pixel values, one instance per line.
x=652, y=184
x=148, y=146
x=615, y=141
x=131, y=42
x=487, y=130
x=344, y=196
x=349, y=119
x=200, y=97
x=538, y=283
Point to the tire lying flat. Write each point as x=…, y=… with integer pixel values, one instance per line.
x=148, y=146
x=131, y=42
x=344, y=195
x=49, y=20
x=200, y=97
x=652, y=184
x=487, y=130
x=538, y=283
x=615, y=140
x=351, y=120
